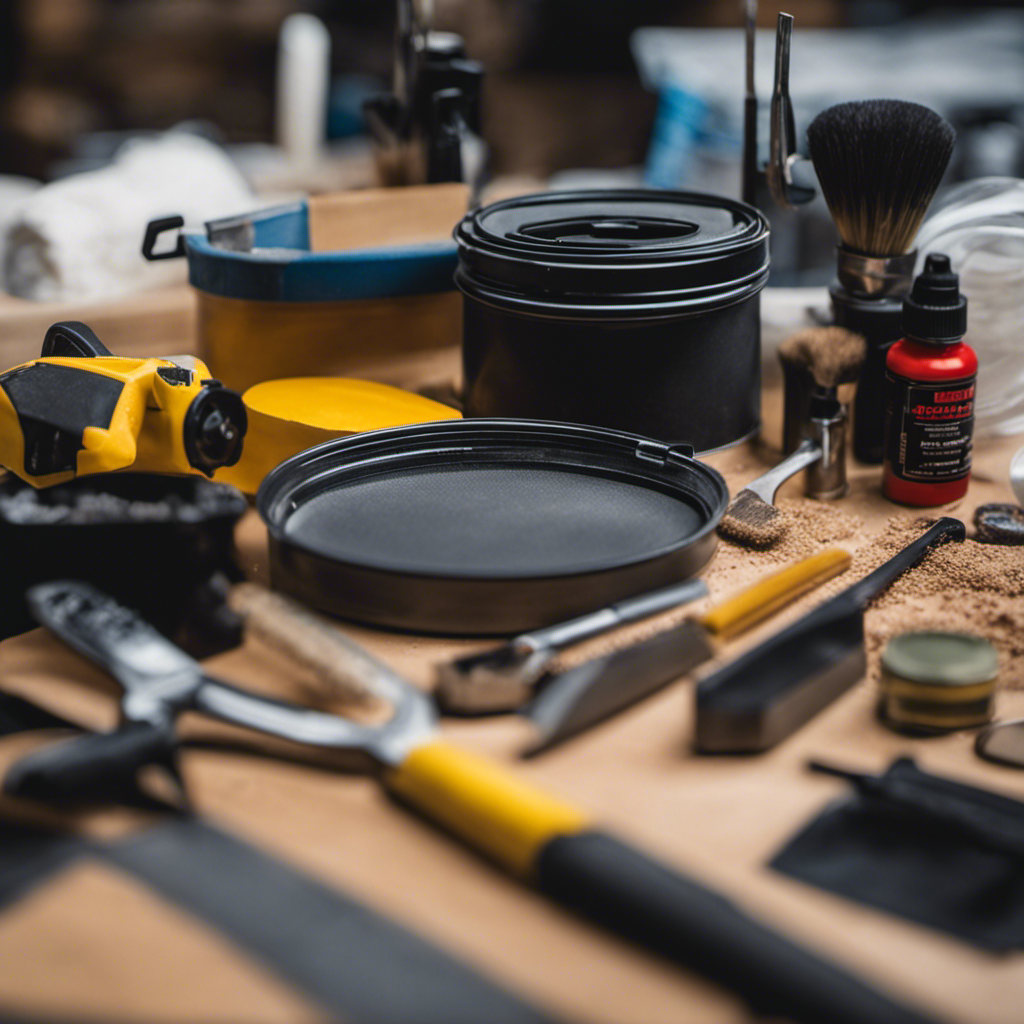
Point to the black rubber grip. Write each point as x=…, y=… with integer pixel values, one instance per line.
x=617, y=886
x=96, y=767
x=72, y=338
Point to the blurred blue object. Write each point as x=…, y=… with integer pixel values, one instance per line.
x=678, y=129
x=345, y=104
x=692, y=146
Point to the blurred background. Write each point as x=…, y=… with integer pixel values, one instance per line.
x=575, y=91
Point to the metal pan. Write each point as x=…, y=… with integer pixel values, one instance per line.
x=486, y=526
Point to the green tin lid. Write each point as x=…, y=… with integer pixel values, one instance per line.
x=941, y=659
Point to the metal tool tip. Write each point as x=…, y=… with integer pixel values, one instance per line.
x=481, y=688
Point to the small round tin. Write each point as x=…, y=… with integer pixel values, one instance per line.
x=936, y=682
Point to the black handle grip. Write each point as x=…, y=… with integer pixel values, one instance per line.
x=946, y=529
x=72, y=338
x=634, y=896
x=154, y=229
x=97, y=767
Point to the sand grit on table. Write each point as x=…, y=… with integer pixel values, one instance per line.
x=968, y=587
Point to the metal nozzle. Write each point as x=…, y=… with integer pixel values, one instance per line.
x=782, y=149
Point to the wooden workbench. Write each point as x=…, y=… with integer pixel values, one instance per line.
x=94, y=944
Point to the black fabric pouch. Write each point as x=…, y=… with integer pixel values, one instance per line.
x=937, y=852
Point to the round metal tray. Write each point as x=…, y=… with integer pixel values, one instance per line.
x=486, y=526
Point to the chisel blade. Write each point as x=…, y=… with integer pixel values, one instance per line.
x=581, y=697
x=756, y=701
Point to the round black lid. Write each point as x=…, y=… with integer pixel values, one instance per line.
x=935, y=310
x=630, y=252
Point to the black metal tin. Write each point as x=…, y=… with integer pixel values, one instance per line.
x=486, y=526
x=637, y=310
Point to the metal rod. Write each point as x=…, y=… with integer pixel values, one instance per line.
x=784, y=39
x=750, y=168
x=781, y=142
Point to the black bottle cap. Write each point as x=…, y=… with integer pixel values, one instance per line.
x=935, y=311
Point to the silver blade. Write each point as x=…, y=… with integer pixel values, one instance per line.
x=115, y=638
x=503, y=678
x=161, y=680
x=583, y=696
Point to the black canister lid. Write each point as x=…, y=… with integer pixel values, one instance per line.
x=613, y=253
x=935, y=310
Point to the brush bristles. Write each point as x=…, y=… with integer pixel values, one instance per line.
x=879, y=163
x=752, y=522
x=833, y=355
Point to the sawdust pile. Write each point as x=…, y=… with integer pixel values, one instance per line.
x=811, y=526
x=966, y=587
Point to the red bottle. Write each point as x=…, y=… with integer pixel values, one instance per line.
x=929, y=386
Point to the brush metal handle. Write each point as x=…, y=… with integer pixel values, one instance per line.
x=826, y=477
x=767, y=484
x=632, y=609
x=875, y=276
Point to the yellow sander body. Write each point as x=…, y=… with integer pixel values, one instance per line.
x=289, y=415
x=63, y=417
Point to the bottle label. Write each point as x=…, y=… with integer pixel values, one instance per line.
x=929, y=428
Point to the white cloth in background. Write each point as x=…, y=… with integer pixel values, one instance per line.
x=80, y=238
x=14, y=191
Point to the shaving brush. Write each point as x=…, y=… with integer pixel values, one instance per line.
x=815, y=361
x=879, y=163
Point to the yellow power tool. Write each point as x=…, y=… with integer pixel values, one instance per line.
x=80, y=410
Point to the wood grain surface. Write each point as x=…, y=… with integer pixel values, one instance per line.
x=85, y=942
x=154, y=323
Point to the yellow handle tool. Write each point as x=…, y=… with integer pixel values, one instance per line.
x=755, y=603
x=536, y=837
x=483, y=804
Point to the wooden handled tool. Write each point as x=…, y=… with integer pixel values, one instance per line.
x=344, y=670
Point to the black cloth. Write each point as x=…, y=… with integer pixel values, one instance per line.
x=341, y=954
x=937, y=852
